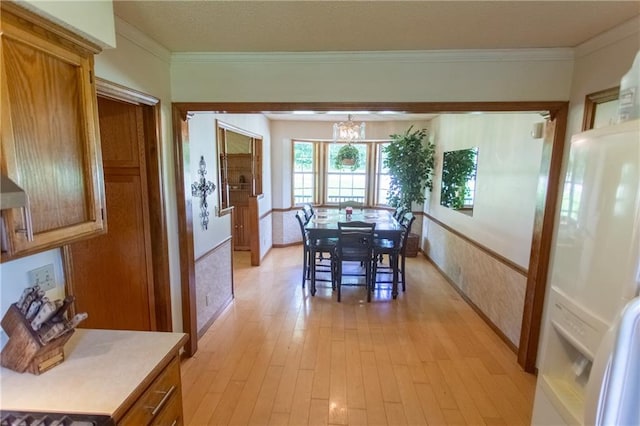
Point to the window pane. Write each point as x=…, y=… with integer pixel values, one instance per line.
x=303, y=177
x=383, y=179
x=343, y=183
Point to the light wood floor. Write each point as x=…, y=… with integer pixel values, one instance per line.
x=279, y=356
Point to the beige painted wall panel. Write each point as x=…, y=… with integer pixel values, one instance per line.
x=93, y=20
x=434, y=77
x=507, y=179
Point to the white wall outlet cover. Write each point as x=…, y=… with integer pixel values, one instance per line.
x=43, y=277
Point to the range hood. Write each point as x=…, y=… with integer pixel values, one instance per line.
x=11, y=195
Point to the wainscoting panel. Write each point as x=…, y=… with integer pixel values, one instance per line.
x=214, y=284
x=494, y=287
x=286, y=230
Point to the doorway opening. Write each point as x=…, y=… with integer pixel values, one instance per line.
x=545, y=206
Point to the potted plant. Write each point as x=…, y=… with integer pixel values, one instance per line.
x=410, y=159
x=347, y=156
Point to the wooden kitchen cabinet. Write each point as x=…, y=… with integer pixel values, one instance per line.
x=49, y=133
x=241, y=228
x=161, y=402
x=125, y=377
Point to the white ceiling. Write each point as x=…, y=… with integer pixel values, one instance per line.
x=338, y=25
x=312, y=26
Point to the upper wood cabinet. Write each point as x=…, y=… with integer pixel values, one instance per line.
x=50, y=143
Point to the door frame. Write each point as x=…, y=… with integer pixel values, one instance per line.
x=544, y=219
x=161, y=304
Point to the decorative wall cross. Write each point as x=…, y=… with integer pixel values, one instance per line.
x=201, y=189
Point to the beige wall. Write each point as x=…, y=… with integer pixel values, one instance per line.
x=507, y=178
x=503, y=75
x=503, y=213
x=93, y=19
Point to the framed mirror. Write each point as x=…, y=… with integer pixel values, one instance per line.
x=600, y=108
x=239, y=166
x=458, y=181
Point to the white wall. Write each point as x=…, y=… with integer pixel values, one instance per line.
x=203, y=142
x=506, y=183
x=14, y=278
x=92, y=19
x=501, y=75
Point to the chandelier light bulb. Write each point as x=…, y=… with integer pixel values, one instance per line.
x=348, y=131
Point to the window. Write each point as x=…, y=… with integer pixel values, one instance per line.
x=383, y=179
x=344, y=183
x=303, y=172
x=317, y=180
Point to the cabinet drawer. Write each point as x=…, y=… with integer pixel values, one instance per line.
x=161, y=395
x=171, y=414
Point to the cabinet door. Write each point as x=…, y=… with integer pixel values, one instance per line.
x=241, y=229
x=50, y=145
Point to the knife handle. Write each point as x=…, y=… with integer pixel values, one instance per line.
x=58, y=316
x=46, y=311
x=33, y=309
x=23, y=297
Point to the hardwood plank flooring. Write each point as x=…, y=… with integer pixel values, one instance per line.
x=278, y=356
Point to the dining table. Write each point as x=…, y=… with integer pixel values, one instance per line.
x=324, y=224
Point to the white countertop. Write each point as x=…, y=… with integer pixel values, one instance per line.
x=101, y=369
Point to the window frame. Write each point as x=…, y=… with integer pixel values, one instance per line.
x=373, y=163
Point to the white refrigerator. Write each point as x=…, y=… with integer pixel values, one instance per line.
x=594, y=275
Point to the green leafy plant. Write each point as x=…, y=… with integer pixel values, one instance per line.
x=457, y=168
x=409, y=158
x=347, y=156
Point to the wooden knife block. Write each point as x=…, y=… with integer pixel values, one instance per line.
x=24, y=352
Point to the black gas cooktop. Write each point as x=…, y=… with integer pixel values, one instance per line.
x=34, y=418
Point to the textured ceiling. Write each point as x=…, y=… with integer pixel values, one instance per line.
x=312, y=26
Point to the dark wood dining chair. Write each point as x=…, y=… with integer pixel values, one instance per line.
x=406, y=222
x=311, y=248
x=308, y=211
x=399, y=212
x=391, y=246
x=355, y=244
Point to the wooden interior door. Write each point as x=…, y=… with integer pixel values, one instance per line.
x=111, y=276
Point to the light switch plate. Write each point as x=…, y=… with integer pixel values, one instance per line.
x=43, y=276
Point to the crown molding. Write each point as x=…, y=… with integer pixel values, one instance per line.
x=466, y=55
x=140, y=39
x=628, y=29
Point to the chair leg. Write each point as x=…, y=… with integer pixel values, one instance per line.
x=339, y=279
x=369, y=280
x=404, y=281
x=305, y=266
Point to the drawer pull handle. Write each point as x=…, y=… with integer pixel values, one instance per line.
x=155, y=410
